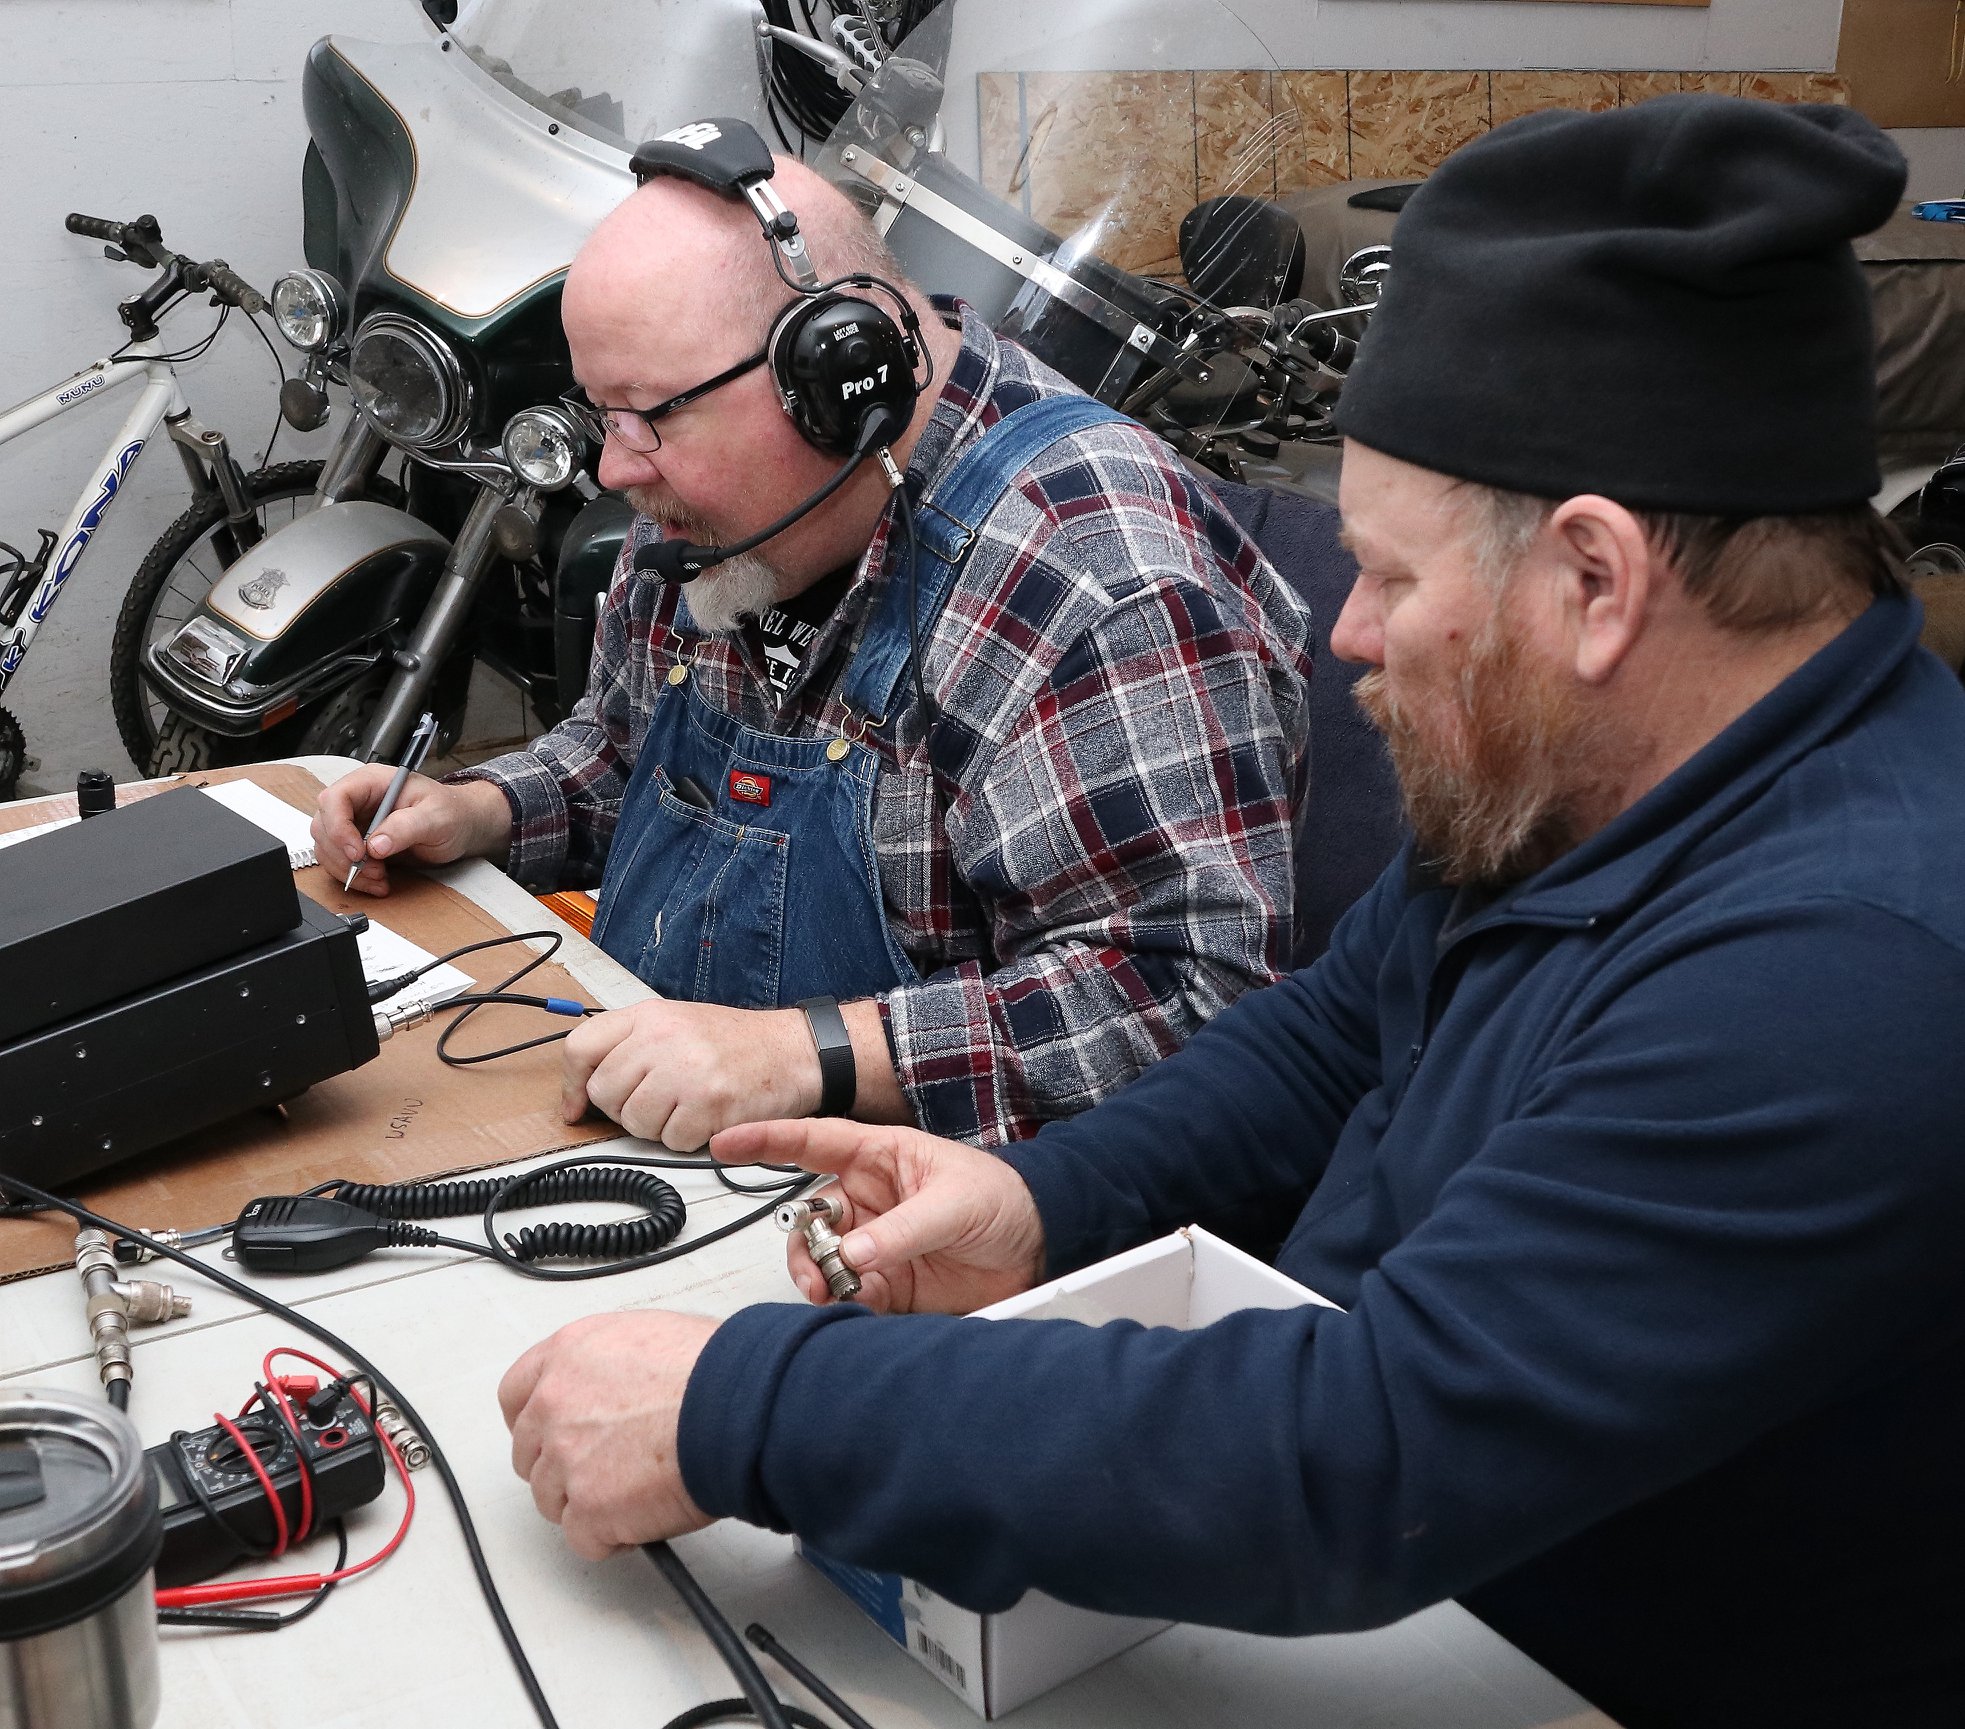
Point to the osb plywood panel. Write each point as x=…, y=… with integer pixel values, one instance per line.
x=1636, y=87
x=1411, y=122
x=1234, y=134
x=1711, y=83
x=1313, y=145
x=1796, y=87
x=1001, y=133
x=1519, y=93
x=1115, y=149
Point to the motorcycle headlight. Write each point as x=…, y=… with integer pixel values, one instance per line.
x=544, y=447
x=409, y=382
x=309, y=309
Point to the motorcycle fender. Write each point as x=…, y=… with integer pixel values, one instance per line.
x=330, y=579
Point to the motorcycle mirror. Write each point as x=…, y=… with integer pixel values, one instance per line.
x=1362, y=277
x=303, y=406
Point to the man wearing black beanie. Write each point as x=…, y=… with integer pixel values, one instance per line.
x=1625, y=1117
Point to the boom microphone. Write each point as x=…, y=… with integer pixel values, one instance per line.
x=684, y=560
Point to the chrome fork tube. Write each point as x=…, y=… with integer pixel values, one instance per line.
x=350, y=464
x=436, y=631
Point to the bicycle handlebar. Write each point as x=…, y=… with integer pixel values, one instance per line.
x=229, y=285
x=142, y=242
x=97, y=227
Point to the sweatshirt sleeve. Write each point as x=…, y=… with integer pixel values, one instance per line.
x=1729, y=1198
x=1247, y=1112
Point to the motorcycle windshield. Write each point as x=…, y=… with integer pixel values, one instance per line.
x=619, y=71
x=1090, y=131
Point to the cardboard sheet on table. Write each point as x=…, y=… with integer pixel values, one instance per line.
x=403, y=1117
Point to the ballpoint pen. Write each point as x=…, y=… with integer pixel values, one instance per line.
x=413, y=754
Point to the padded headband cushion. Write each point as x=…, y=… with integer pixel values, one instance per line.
x=722, y=154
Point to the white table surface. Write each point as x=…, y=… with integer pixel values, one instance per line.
x=413, y=1644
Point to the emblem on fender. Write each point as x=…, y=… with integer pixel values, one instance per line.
x=261, y=592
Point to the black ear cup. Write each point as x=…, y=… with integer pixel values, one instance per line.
x=836, y=359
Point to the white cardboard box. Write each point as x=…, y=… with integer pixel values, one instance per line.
x=995, y=1663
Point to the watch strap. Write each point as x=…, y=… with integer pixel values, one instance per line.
x=839, y=1075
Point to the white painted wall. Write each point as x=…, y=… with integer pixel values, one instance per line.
x=1937, y=160
x=190, y=110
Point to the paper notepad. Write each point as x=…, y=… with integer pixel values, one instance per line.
x=292, y=828
x=385, y=955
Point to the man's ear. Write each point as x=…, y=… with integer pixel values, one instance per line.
x=1609, y=581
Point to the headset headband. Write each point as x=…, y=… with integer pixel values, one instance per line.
x=729, y=158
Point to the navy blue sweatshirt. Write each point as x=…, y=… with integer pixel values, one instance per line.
x=1643, y=1192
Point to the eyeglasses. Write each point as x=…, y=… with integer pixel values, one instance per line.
x=635, y=427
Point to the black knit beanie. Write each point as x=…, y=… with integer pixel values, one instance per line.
x=1659, y=304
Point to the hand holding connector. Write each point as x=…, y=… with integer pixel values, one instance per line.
x=814, y=1218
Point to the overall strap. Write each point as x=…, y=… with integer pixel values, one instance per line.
x=946, y=525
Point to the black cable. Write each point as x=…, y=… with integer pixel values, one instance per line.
x=595, y=1177
x=477, y=1000
x=314, y=1329
x=279, y=411
x=929, y=713
x=260, y=1620
x=738, y=1711
x=762, y=1637
x=765, y=1704
x=499, y=1252
x=119, y=1395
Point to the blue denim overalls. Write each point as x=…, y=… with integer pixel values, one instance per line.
x=774, y=894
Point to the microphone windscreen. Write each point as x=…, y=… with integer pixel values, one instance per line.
x=663, y=560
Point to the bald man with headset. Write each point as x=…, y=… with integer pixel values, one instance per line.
x=940, y=751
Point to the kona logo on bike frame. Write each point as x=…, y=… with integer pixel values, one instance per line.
x=112, y=483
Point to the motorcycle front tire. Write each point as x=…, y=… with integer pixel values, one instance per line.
x=170, y=744
x=184, y=540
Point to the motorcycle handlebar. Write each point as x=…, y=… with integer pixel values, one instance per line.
x=229, y=285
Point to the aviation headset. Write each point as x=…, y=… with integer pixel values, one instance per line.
x=843, y=366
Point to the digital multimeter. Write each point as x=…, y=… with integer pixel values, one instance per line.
x=216, y=1513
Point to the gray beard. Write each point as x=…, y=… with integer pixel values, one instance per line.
x=725, y=595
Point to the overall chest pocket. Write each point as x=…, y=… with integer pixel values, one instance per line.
x=708, y=898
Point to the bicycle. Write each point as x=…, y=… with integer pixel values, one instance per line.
x=227, y=501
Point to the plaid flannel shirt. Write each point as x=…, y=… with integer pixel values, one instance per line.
x=1122, y=681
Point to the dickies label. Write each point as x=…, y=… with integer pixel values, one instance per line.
x=749, y=788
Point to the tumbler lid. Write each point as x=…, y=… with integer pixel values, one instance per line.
x=79, y=1515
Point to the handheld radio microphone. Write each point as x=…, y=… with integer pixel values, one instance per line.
x=684, y=561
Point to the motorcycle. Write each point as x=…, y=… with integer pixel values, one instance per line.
x=446, y=187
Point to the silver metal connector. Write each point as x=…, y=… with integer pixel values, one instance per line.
x=391, y=1422
x=389, y=1022
x=135, y=1254
x=814, y=1219
x=116, y=1304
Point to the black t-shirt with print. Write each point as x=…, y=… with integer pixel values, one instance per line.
x=788, y=629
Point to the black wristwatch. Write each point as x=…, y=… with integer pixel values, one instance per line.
x=839, y=1075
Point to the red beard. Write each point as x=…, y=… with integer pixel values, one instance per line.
x=1512, y=777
